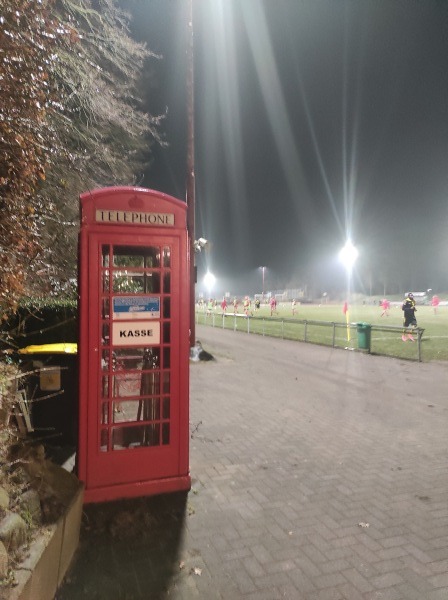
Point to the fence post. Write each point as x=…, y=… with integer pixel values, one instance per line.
x=334, y=334
x=283, y=329
x=419, y=343
x=263, y=326
x=305, y=337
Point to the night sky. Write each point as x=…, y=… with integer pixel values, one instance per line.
x=315, y=121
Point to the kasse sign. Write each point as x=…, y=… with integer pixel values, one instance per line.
x=137, y=333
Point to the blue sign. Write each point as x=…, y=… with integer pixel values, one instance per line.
x=136, y=307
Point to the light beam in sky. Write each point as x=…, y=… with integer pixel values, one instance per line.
x=264, y=59
x=349, y=167
x=223, y=59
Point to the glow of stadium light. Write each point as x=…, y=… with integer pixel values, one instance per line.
x=209, y=281
x=348, y=255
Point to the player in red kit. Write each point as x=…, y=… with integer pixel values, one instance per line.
x=385, y=305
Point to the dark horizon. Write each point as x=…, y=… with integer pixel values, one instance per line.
x=314, y=122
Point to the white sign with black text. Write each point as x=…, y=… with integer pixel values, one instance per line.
x=136, y=333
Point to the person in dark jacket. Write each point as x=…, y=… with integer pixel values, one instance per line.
x=409, y=320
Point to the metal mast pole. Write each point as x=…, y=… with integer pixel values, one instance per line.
x=190, y=166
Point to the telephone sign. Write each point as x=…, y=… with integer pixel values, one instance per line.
x=134, y=344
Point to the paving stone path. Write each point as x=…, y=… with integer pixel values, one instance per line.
x=318, y=474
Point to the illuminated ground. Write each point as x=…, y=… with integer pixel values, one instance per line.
x=317, y=474
x=435, y=325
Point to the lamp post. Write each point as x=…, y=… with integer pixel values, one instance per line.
x=348, y=256
x=190, y=167
x=263, y=269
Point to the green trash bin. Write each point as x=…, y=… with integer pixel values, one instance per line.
x=364, y=335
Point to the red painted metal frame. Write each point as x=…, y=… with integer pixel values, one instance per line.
x=140, y=200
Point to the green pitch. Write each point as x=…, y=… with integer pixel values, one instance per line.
x=434, y=341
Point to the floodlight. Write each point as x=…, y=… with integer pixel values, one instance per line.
x=209, y=281
x=348, y=255
x=199, y=244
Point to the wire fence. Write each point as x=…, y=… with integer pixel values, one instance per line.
x=374, y=339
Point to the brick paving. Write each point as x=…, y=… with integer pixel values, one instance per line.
x=318, y=474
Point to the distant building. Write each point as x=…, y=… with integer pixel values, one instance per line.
x=421, y=297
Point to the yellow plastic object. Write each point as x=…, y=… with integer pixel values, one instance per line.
x=68, y=348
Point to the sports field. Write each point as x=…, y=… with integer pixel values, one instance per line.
x=319, y=328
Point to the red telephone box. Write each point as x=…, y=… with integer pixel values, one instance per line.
x=134, y=344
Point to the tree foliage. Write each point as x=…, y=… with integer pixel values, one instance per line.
x=28, y=38
x=72, y=96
